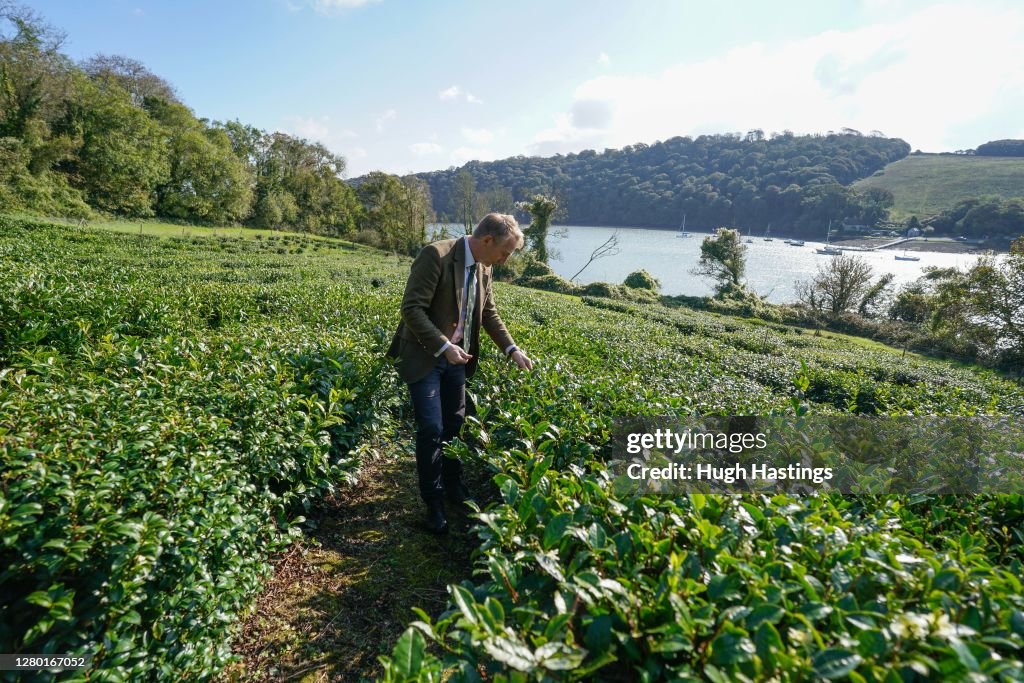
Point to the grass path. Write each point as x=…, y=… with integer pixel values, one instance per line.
x=344, y=593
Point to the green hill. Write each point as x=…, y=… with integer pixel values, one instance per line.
x=926, y=184
x=796, y=183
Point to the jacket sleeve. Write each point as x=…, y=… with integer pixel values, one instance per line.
x=492, y=321
x=419, y=293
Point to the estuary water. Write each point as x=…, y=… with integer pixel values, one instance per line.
x=773, y=268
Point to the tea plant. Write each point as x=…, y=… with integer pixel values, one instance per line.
x=162, y=429
x=169, y=408
x=579, y=581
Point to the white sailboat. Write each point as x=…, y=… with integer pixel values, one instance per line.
x=767, y=232
x=682, y=228
x=905, y=257
x=828, y=249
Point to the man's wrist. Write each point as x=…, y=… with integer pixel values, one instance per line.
x=442, y=349
x=511, y=349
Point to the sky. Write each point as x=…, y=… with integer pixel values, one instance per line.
x=408, y=86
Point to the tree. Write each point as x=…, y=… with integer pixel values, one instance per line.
x=465, y=200
x=34, y=76
x=311, y=174
x=985, y=306
x=394, y=212
x=418, y=208
x=36, y=85
x=1002, y=148
x=275, y=209
x=876, y=297
x=498, y=199
x=541, y=209
x=838, y=286
x=130, y=75
x=723, y=258
x=124, y=154
x=207, y=182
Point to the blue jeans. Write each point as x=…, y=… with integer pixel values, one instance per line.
x=439, y=406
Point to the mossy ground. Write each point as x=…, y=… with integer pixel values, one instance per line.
x=344, y=593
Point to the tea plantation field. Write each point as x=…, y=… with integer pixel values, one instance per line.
x=169, y=408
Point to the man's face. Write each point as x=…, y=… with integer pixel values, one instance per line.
x=496, y=252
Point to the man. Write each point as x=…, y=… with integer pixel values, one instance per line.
x=447, y=301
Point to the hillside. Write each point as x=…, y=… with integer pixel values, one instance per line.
x=927, y=184
x=171, y=410
x=796, y=183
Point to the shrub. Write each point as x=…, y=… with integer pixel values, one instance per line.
x=641, y=279
x=602, y=289
x=550, y=283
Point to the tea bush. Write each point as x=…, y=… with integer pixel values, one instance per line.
x=578, y=581
x=161, y=433
x=168, y=411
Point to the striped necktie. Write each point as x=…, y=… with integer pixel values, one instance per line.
x=468, y=304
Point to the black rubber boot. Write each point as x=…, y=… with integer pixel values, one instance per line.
x=436, y=521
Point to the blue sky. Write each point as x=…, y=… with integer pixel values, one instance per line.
x=405, y=86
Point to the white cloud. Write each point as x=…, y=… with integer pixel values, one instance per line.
x=425, y=148
x=456, y=92
x=317, y=128
x=603, y=59
x=332, y=6
x=461, y=155
x=926, y=77
x=478, y=136
x=389, y=115
x=138, y=12
x=564, y=137
x=450, y=93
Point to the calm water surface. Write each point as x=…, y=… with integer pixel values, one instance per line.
x=772, y=267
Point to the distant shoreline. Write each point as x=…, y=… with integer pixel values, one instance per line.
x=940, y=245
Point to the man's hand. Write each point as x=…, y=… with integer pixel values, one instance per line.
x=522, y=360
x=456, y=356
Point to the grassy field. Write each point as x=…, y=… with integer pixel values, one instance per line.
x=206, y=466
x=926, y=184
x=158, y=228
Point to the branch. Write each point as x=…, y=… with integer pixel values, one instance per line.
x=609, y=248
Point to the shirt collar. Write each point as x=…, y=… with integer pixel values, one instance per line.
x=469, y=253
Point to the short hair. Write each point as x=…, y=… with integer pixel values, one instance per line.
x=501, y=225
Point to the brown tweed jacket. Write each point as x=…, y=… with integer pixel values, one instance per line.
x=431, y=306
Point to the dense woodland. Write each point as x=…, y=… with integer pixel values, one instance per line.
x=796, y=183
x=1001, y=148
x=981, y=218
x=108, y=136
